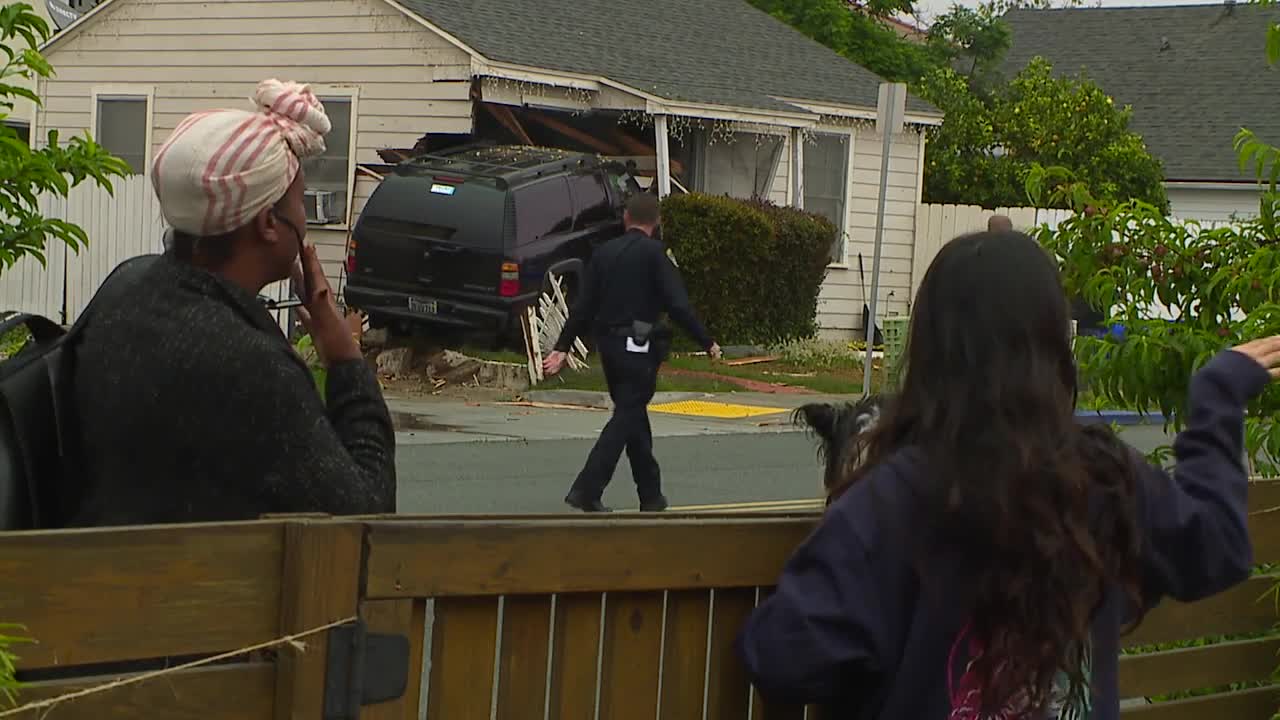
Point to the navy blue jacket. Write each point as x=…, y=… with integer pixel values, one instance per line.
x=850, y=626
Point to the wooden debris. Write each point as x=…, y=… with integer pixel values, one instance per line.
x=542, y=324
x=753, y=360
x=548, y=406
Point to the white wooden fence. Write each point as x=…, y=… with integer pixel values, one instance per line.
x=122, y=225
x=937, y=224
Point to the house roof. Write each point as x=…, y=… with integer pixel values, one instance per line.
x=1194, y=74
x=678, y=50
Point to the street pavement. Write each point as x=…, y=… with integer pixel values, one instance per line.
x=459, y=457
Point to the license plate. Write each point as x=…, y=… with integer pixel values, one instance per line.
x=423, y=307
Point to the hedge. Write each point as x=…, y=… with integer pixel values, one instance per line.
x=753, y=269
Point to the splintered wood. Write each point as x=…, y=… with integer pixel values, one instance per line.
x=541, y=325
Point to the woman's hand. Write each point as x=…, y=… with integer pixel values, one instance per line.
x=330, y=331
x=1265, y=352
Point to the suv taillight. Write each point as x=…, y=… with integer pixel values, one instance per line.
x=510, y=283
x=351, y=257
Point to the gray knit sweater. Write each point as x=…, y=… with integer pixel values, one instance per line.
x=194, y=407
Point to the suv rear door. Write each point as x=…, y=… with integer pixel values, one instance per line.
x=544, y=229
x=434, y=234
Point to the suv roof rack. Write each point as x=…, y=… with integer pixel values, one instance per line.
x=509, y=163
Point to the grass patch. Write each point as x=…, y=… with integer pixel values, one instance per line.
x=593, y=379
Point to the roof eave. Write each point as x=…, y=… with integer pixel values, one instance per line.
x=1241, y=184
x=654, y=104
x=861, y=113
x=74, y=28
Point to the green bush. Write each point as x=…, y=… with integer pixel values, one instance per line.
x=753, y=269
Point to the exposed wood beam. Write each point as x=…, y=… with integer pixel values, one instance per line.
x=503, y=115
x=571, y=132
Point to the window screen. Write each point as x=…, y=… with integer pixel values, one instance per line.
x=826, y=170
x=328, y=170
x=122, y=129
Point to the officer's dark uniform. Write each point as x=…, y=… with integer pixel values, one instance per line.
x=629, y=278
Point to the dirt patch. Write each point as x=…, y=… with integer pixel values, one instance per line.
x=419, y=369
x=744, y=383
x=403, y=421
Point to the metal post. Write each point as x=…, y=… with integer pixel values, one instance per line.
x=797, y=168
x=663, y=149
x=888, y=119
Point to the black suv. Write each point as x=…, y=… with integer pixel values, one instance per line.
x=464, y=238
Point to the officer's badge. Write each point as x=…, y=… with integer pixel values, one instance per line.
x=672, y=257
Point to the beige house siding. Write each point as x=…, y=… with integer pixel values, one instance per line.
x=191, y=56
x=1213, y=204
x=841, y=300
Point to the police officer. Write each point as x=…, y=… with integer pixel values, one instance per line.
x=629, y=281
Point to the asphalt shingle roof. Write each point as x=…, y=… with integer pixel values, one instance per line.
x=719, y=52
x=1194, y=74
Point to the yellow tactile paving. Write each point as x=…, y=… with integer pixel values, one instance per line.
x=703, y=408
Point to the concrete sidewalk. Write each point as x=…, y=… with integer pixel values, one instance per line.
x=590, y=398
x=595, y=399
x=575, y=416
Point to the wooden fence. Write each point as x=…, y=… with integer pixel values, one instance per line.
x=120, y=225
x=489, y=618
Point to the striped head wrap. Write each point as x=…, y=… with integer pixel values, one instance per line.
x=220, y=168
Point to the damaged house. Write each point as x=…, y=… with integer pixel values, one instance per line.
x=711, y=96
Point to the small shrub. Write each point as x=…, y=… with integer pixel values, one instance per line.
x=306, y=348
x=753, y=269
x=13, y=341
x=819, y=354
x=9, y=684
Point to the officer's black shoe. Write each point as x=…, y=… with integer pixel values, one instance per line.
x=657, y=504
x=578, y=502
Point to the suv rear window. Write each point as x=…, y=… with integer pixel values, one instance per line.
x=469, y=214
x=542, y=209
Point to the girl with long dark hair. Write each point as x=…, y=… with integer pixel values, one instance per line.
x=985, y=557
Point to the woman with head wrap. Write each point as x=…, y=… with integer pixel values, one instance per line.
x=193, y=405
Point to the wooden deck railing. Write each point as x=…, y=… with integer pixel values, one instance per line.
x=557, y=617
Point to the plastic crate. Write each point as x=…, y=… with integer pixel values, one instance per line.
x=895, y=343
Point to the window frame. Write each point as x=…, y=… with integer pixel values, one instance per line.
x=146, y=93
x=851, y=135
x=350, y=94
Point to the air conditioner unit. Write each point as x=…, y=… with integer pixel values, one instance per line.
x=322, y=207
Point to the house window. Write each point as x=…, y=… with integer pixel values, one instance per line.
x=826, y=180
x=22, y=129
x=330, y=171
x=122, y=128
x=745, y=168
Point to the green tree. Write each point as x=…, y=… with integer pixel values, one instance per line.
x=994, y=130
x=1217, y=287
x=856, y=32
x=25, y=174
x=986, y=145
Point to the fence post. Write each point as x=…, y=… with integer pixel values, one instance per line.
x=321, y=584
